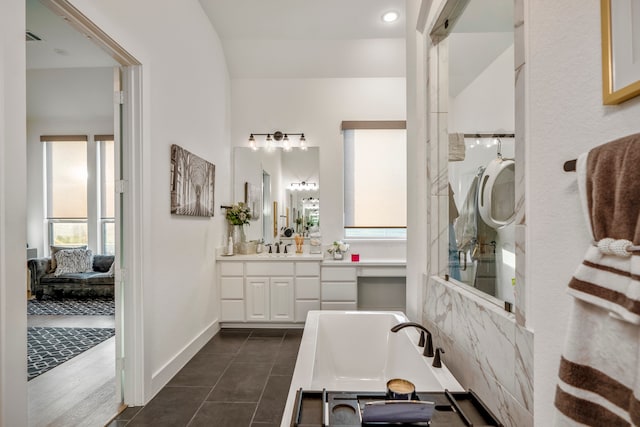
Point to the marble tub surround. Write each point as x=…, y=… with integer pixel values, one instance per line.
x=485, y=349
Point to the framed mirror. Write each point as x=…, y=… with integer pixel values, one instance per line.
x=476, y=60
x=289, y=178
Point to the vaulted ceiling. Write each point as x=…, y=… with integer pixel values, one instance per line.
x=310, y=38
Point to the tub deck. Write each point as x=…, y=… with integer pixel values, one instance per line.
x=356, y=351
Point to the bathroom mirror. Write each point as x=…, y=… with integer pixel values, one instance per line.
x=481, y=168
x=304, y=210
x=285, y=177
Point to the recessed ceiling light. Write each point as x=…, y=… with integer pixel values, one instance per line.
x=390, y=16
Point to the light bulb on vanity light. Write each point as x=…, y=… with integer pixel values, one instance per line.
x=252, y=143
x=286, y=145
x=303, y=142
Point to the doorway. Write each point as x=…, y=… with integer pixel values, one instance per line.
x=124, y=80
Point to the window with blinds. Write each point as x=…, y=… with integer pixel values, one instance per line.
x=375, y=179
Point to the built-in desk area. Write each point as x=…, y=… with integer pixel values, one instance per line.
x=365, y=285
x=281, y=289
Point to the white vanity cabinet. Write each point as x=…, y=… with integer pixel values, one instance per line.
x=278, y=291
x=339, y=288
x=232, y=292
x=269, y=289
x=307, y=289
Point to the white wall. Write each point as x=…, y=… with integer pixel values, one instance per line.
x=13, y=305
x=417, y=185
x=317, y=107
x=76, y=101
x=486, y=105
x=186, y=102
x=565, y=118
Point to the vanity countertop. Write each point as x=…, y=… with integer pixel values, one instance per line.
x=270, y=257
x=374, y=262
x=377, y=262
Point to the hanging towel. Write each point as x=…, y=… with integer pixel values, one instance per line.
x=466, y=225
x=456, y=147
x=599, y=376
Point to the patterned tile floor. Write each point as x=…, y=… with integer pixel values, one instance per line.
x=239, y=378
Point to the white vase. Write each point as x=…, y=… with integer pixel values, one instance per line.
x=338, y=255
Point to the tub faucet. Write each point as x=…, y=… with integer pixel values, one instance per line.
x=428, y=347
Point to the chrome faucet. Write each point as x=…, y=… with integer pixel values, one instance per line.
x=428, y=346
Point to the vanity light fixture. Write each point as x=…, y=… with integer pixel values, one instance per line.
x=277, y=139
x=303, y=186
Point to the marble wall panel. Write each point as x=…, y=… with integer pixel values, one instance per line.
x=520, y=144
x=490, y=338
x=432, y=79
x=485, y=349
x=521, y=268
x=443, y=76
x=524, y=367
x=439, y=308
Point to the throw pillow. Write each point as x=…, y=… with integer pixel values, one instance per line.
x=112, y=269
x=74, y=261
x=55, y=248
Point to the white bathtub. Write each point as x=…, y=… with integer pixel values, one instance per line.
x=356, y=351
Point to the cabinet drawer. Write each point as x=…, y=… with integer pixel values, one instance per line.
x=307, y=288
x=339, y=274
x=339, y=291
x=307, y=269
x=382, y=272
x=338, y=306
x=231, y=288
x=303, y=307
x=275, y=268
x=232, y=311
x=231, y=269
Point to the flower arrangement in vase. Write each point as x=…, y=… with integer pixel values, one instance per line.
x=338, y=249
x=238, y=215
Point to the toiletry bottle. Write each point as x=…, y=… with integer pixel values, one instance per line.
x=230, y=246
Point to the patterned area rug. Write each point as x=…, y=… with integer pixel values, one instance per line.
x=49, y=347
x=72, y=306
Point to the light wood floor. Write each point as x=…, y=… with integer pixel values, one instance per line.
x=81, y=391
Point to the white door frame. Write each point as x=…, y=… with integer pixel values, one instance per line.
x=129, y=278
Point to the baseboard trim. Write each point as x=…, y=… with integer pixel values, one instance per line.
x=162, y=376
x=261, y=325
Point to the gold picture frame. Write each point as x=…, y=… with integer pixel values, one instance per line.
x=613, y=91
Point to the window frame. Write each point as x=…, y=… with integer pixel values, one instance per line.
x=370, y=232
x=95, y=222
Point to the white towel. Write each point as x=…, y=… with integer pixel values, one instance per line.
x=599, y=377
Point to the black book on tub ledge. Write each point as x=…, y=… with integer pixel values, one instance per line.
x=350, y=409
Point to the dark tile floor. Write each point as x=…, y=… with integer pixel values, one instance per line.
x=239, y=378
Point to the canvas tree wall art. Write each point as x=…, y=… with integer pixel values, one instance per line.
x=192, y=183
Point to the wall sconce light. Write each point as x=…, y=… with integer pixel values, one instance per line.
x=303, y=186
x=276, y=139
